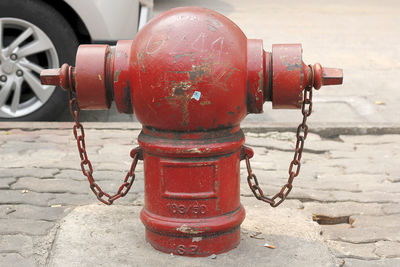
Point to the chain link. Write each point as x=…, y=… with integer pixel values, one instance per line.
x=295, y=164
x=86, y=165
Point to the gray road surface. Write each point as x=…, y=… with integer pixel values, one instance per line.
x=49, y=216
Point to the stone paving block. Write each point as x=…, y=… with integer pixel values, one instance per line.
x=33, y=212
x=343, y=196
x=351, y=183
x=358, y=235
x=113, y=135
x=115, y=151
x=375, y=140
x=28, y=154
x=371, y=263
x=328, y=145
x=28, y=172
x=25, y=197
x=75, y=175
x=390, y=221
x=67, y=199
x=387, y=249
x=53, y=136
x=99, y=175
x=391, y=208
x=14, y=259
x=24, y=226
x=50, y=185
x=112, y=186
x=349, y=250
x=123, y=166
x=14, y=148
x=5, y=182
x=18, y=135
x=340, y=209
x=62, y=163
x=356, y=166
x=315, y=182
x=311, y=194
x=21, y=244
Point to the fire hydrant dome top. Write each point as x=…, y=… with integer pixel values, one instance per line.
x=188, y=71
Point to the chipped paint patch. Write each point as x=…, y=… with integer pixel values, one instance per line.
x=140, y=58
x=230, y=73
x=193, y=150
x=197, y=239
x=211, y=28
x=206, y=102
x=260, y=81
x=99, y=76
x=196, y=95
x=188, y=230
x=291, y=62
x=177, y=57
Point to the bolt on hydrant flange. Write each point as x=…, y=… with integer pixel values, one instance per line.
x=191, y=76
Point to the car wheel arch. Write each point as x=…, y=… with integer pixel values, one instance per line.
x=73, y=19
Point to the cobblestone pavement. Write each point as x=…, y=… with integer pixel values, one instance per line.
x=350, y=184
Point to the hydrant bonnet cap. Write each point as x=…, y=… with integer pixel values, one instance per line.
x=188, y=71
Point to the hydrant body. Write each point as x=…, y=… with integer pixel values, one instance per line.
x=191, y=76
x=191, y=71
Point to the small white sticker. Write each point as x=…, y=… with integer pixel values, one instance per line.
x=196, y=95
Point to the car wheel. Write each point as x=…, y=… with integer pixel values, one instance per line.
x=33, y=37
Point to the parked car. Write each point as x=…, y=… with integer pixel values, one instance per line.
x=41, y=34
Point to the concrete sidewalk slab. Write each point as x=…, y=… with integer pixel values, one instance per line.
x=98, y=235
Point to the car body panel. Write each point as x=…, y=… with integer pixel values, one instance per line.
x=112, y=20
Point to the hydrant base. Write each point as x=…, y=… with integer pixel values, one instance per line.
x=193, y=237
x=187, y=247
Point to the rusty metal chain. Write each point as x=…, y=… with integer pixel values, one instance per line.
x=301, y=135
x=86, y=165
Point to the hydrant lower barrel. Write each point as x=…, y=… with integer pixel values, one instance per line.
x=191, y=76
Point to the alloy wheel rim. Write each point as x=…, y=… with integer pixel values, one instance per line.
x=25, y=50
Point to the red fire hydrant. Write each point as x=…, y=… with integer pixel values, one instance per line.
x=191, y=76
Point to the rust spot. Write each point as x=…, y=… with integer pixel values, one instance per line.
x=216, y=187
x=116, y=74
x=127, y=100
x=180, y=88
x=198, y=72
x=330, y=220
x=181, y=97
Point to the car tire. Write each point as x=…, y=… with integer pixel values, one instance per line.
x=47, y=106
